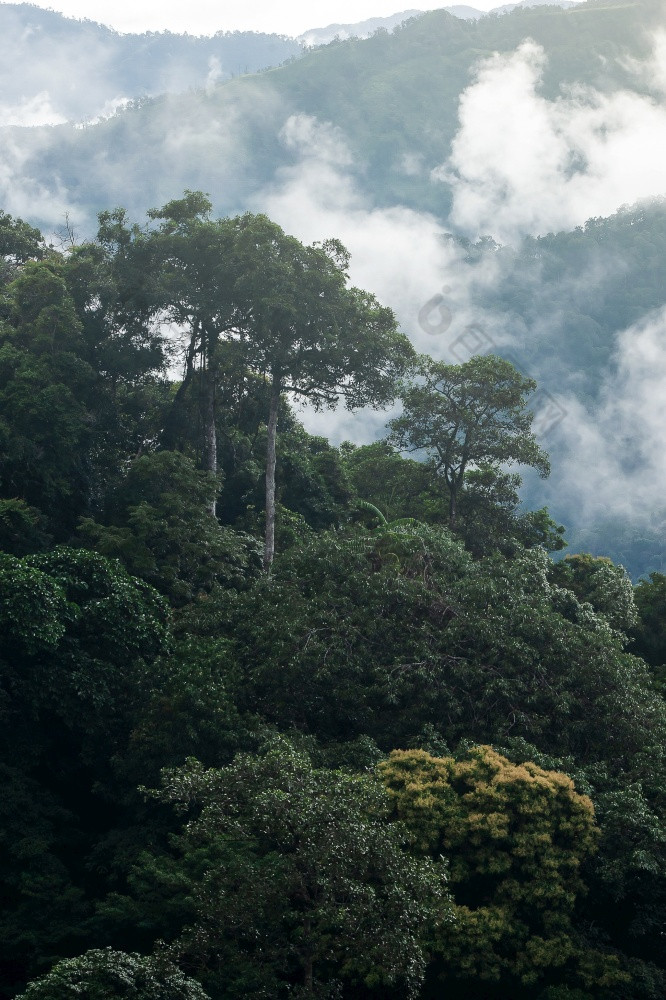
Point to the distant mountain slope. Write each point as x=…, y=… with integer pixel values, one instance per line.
x=506, y=8
x=584, y=313
x=394, y=98
x=57, y=69
x=363, y=29
x=46, y=55
x=360, y=29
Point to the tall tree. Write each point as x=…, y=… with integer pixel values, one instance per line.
x=177, y=277
x=249, y=295
x=311, y=335
x=469, y=416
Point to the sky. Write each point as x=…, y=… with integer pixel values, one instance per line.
x=202, y=17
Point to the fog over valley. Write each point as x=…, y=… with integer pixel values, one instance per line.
x=410, y=146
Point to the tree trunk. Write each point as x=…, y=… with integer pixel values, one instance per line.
x=453, y=508
x=208, y=420
x=269, y=547
x=171, y=423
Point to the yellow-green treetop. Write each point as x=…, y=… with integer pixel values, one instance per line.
x=515, y=836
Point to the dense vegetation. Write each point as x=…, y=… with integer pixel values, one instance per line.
x=410, y=754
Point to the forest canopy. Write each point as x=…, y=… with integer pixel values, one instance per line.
x=386, y=747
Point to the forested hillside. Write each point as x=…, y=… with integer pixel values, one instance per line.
x=48, y=56
x=281, y=718
x=511, y=224
x=583, y=312
x=393, y=95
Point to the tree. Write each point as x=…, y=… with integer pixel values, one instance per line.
x=439, y=648
x=516, y=837
x=78, y=643
x=595, y=579
x=491, y=517
x=467, y=416
x=163, y=529
x=46, y=387
x=312, y=335
x=649, y=633
x=302, y=879
x=105, y=974
x=78, y=394
x=398, y=486
x=252, y=297
x=19, y=243
x=181, y=273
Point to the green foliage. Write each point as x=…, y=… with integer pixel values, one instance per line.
x=341, y=643
x=649, y=632
x=335, y=647
x=489, y=515
x=305, y=879
x=107, y=975
x=467, y=416
x=19, y=243
x=163, y=530
x=487, y=651
x=45, y=430
x=257, y=301
x=605, y=586
x=78, y=636
x=399, y=487
x=115, y=618
x=492, y=518
x=378, y=628
x=516, y=837
x=191, y=709
x=312, y=479
x=75, y=394
x=317, y=337
x=21, y=528
x=32, y=609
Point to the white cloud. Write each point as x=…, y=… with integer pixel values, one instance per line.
x=521, y=163
x=20, y=194
x=215, y=74
x=399, y=254
x=613, y=460
x=31, y=111
x=403, y=256
x=110, y=108
x=652, y=72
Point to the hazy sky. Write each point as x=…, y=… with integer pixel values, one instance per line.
x=208, y=16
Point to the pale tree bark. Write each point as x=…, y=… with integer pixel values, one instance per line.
x=271, y=439
x=453, y=506
x=208, y=420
